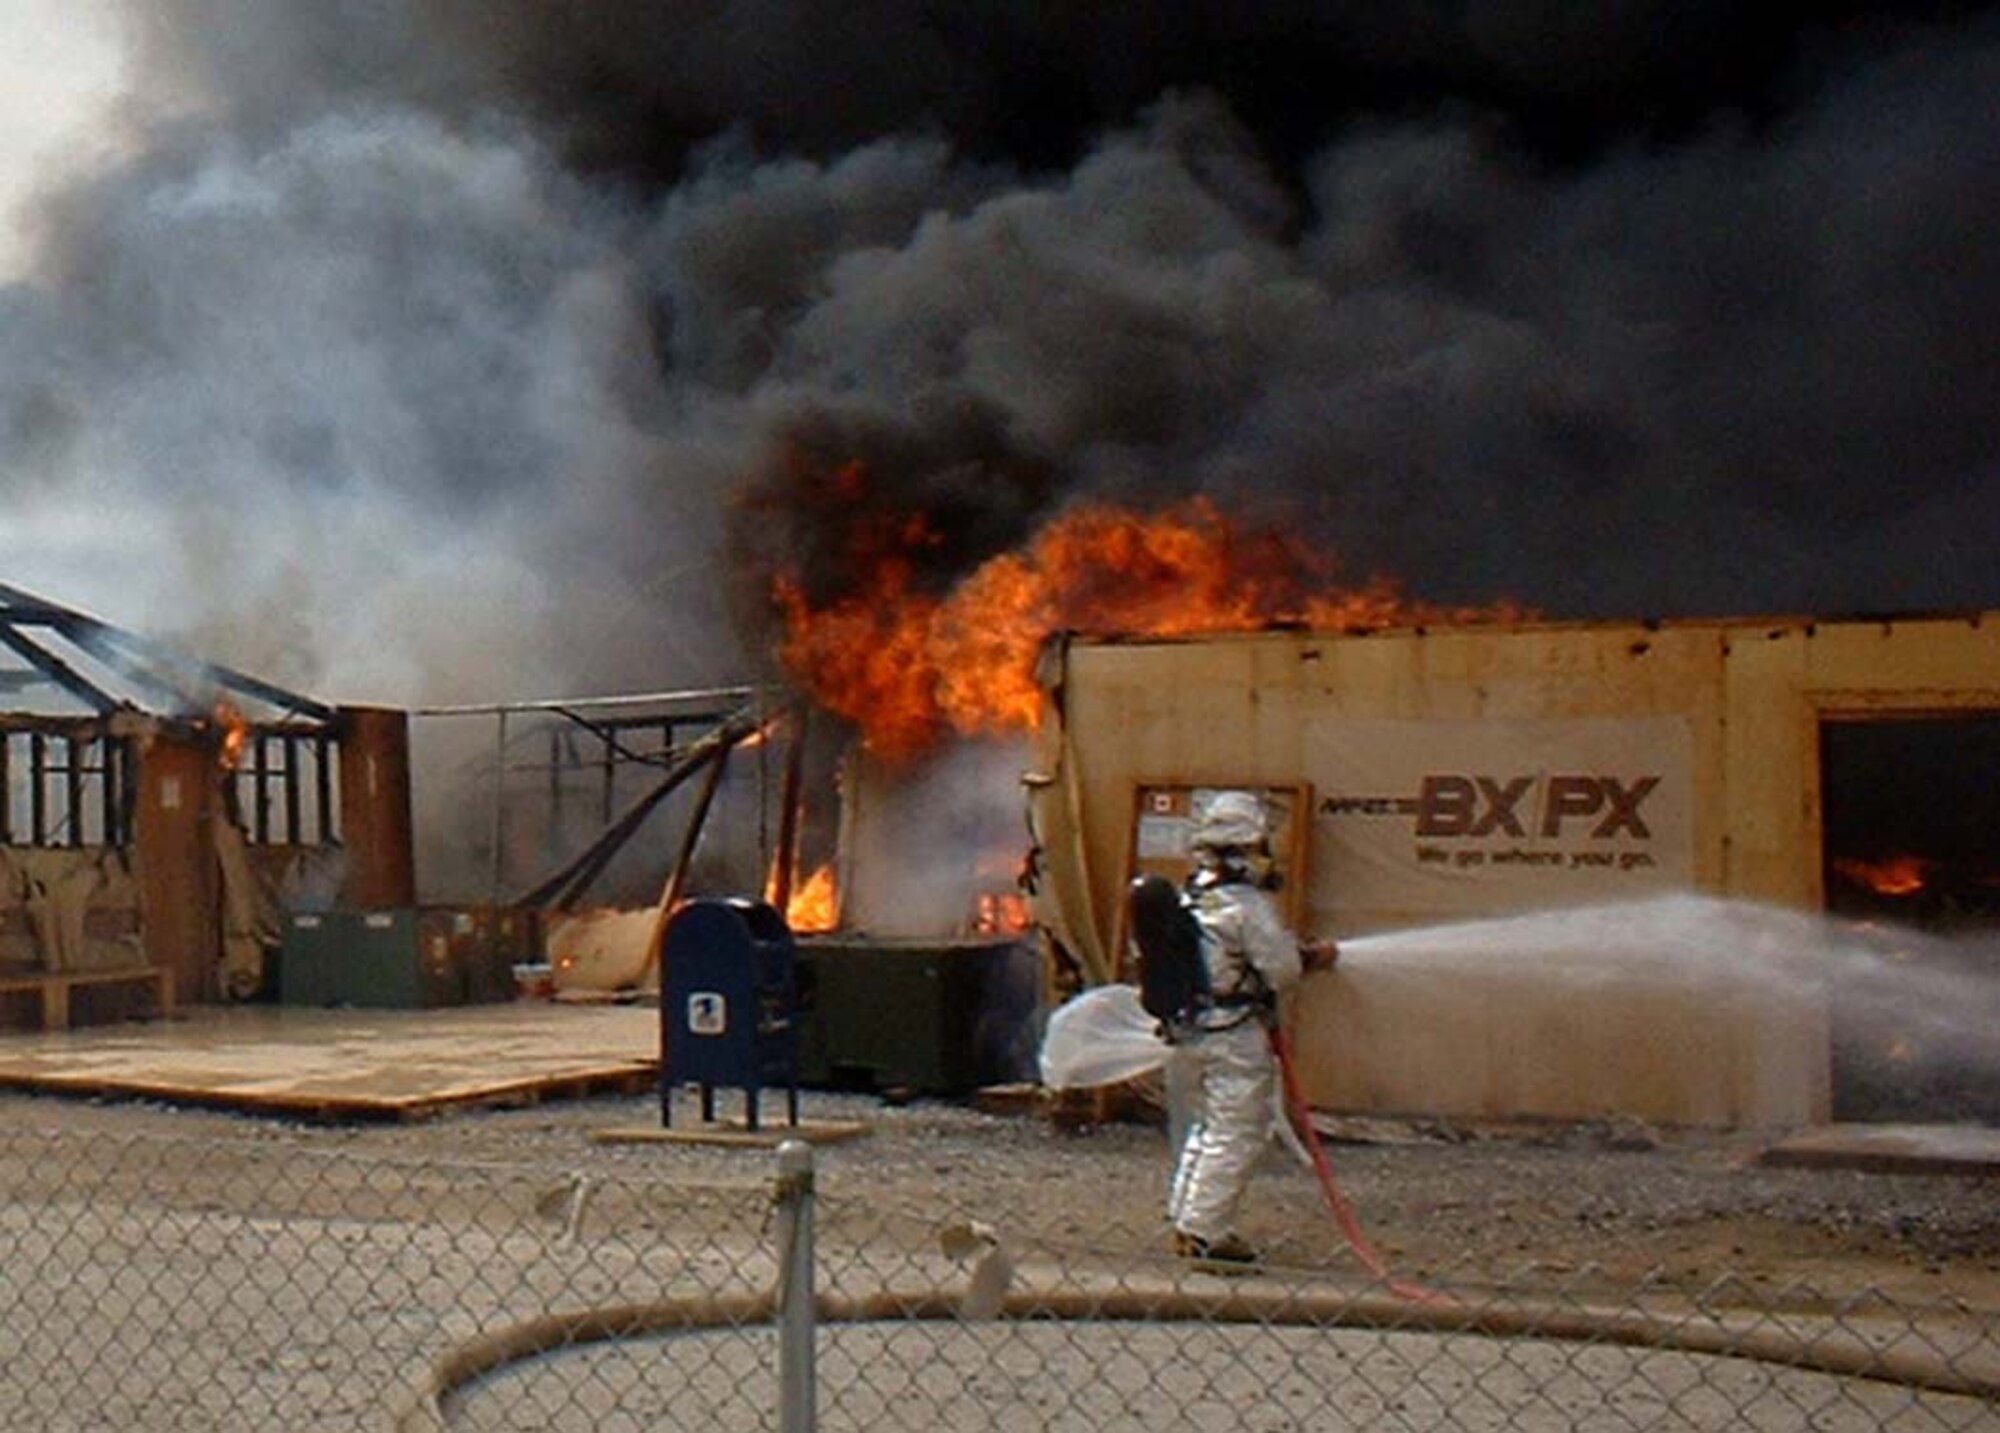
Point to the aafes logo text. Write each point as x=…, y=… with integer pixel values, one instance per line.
x=1449, y=804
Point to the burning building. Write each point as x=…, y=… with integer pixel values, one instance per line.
x=498, y=314
x=158, y=813
x=1449, y=776
x=1436, y=766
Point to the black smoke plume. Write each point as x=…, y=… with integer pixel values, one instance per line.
x=478, y=347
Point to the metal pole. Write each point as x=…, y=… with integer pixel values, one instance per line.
x=796, y=1332
x=790, y=801
x=499, y=805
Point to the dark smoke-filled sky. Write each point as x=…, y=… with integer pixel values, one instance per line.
x=476, y=348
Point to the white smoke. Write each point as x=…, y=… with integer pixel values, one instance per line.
x=344, y=408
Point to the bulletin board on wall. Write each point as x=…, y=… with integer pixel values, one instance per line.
x=1158, y=843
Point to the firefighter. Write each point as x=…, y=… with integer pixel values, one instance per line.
x=1252, y=958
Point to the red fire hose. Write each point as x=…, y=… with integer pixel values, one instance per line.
x=1343, y=1212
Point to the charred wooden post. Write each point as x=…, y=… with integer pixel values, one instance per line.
x=73, y=790
x=110, y=785
x=38, y=789
x=291, y=748
x=180, y=886
x=375, y=818
x=670, y=895
x=260, y=788
x=323, y=749
x=791, y=804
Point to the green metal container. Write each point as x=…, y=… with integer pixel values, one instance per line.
x=399, y=960
x=309, y=958
x=411, y=958
x=926, y=1017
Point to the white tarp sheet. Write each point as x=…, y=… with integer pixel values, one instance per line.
x=1101, y=1037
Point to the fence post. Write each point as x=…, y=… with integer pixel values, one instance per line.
x=796, y=1332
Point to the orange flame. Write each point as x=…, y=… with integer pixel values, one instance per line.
x=1895, y=876
x=235, y=736
x=910, y=667
x=814, y=908
x=1001, y=913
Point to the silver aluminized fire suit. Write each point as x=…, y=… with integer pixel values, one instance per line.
x=1252, y=958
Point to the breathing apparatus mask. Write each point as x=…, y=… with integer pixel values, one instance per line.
x=1231, y=839
x=1244, y=866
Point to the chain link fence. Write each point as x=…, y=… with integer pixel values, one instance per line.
x=163, y=1283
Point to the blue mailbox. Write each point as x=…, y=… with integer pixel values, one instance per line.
x=726, y=1005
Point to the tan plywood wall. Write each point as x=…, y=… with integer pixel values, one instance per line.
x=1783, y=681
x=1743, y=700
x=1242, y=709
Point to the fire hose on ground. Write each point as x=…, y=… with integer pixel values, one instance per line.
x=797, y=1307
x=1329, y=1187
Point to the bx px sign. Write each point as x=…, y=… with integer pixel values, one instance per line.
x=1451, y=817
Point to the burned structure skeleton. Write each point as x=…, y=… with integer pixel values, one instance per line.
x=161, y=833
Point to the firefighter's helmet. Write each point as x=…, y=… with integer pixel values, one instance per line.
x=1232, y=820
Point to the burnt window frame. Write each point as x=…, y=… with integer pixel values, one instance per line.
x=66, y=784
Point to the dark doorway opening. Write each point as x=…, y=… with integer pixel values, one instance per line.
x=1911, y=830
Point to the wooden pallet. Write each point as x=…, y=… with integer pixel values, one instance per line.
x=1101, y=1105
x=54, y=987
x=348, y=1064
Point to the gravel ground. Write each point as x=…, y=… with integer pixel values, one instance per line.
x=345, y=1230
x=1688, y=1207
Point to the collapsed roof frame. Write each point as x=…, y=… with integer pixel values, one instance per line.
x=181, y=683
x=51, y=638
x=729, y=718
x=73, y=687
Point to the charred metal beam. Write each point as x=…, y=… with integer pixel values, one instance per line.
x=323, y=786
x=142, y=661
x=608, y=732
x=174, y=697
x=691, y=837
x=565, y=888
x=294, y=798
x=27, y=610
x=562, y=887
x=708, y=696
x=226, y=678
x=107, y=788
x=670, y=894
x=260, y=788
x=38, y=794
x=791, y=800
x=73, y=788
x=20, y=609
x=59, y=672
